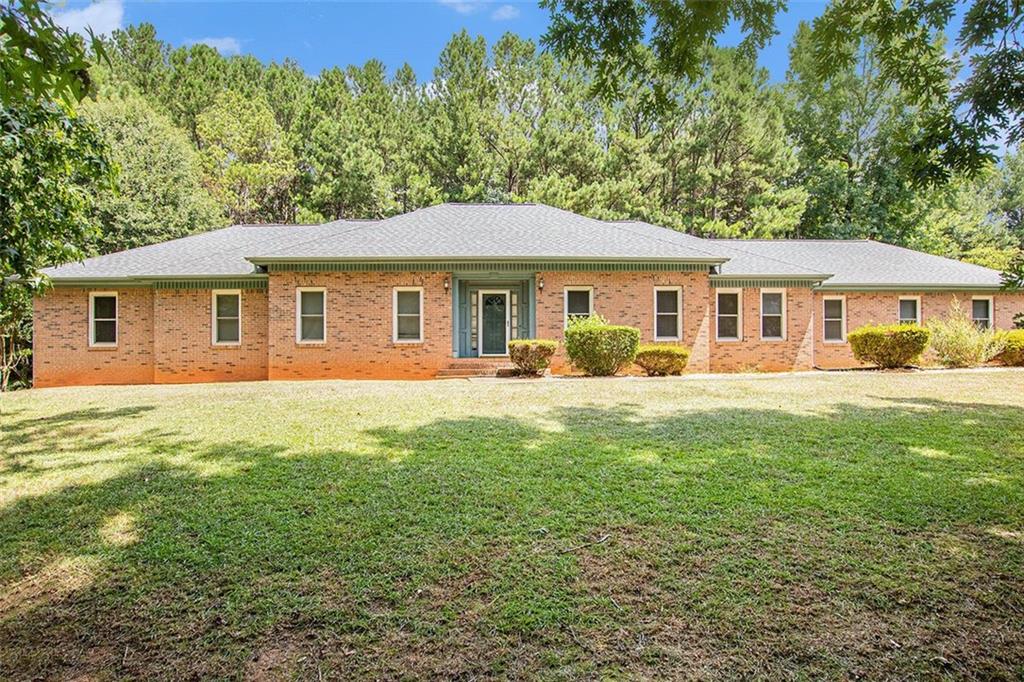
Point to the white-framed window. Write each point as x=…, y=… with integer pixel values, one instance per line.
x=579, y=302
x=981, y=311
x=834, y=319
x=909, y=310
x=226, y=317
x=103, y=319
x=407, y=307
x=729, y=314
x=773, y=314
x=310, y=315
x=668, y=313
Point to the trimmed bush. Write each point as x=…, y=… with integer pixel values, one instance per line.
x=660, y=360
x=958, y=342
x=1018, y=321
x=889, y=346
x=1013, y=349
x=531, y=356
x=598, y=348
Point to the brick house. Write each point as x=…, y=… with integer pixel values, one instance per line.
x=441, y=290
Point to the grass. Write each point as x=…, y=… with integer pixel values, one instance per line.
x=841, y=525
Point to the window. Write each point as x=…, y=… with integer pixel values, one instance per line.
x=311, y=315
x=227, y=317
x=730, y=319
x=103, y=319
x=668, y=313
x=910, y=310
x=981, y=312
x=579, y=302
x=407, y=304
x=835, y=319
x=773, y=314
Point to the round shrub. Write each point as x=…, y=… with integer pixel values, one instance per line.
x=531, y=356
x=1013, y=351
x=889, y=345
x=598, y=348
x=660, y=360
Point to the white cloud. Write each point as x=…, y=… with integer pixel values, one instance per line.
x=226, y=45
x=462, y=6
x=102, y=17
x=505, y=12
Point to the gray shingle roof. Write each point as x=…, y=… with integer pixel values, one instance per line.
x=526, y=232
x=861, y=263
x=216, y=253
x=491, y=231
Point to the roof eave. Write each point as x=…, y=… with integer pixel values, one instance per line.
x=904, y=286
x=267, y=260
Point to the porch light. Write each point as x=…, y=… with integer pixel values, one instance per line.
x=540, y=284
x=447, y=283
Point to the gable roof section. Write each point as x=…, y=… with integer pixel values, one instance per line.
x=862, y=264
x=524, y=232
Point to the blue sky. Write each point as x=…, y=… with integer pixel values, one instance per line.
x=323, y=34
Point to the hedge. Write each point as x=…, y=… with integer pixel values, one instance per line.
x=660, y=360
x=1013, y=351
x=598, y=348
x=889, y=345
x=531, y=356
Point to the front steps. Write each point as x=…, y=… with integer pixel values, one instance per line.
x=463, y=368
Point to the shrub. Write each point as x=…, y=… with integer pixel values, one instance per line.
x=1018, y=321
x=1013, y=349
x=958, y=342
x=598, y=348
x=660, y=360
x=889, y=345
x=531, y=356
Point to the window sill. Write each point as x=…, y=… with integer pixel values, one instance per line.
x=311, y=343
x=834, y=342
x=407, y=342
x=773, y=339
x=727, y=340
x=102, y=346
x=667, y=339
x=233, y=344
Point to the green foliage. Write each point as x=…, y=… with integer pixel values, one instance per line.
x=160, y=195
x=1013, y=348
x=1018, y=321
x=889, y=346
x=957, y=121
x=958, y=342
x=249, y=166
x=1013, y=275
x=15, y=336
x=598, y=348
x=531, y=356
x=660, y=359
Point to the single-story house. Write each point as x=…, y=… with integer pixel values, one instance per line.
x=440, y=291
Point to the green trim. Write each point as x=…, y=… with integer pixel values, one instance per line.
x=487, y=266
x=762, y=283
x=259, y=284
x=256, y=282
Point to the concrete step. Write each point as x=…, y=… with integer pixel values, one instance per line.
x=469, y=367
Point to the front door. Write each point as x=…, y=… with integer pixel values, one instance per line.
x=494, y=321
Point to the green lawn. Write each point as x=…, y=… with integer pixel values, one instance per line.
x=854, y=524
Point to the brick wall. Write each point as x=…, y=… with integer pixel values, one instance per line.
x=751, y=352
x=627, y=298
x=359, y=327
x=881, y=308
x=183, y=338
x=61, y=352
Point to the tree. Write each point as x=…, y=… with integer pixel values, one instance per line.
x=197, y=76
x=249, y=167
x=962, y=119
x=160, y=195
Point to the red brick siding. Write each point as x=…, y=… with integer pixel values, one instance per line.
x=183, y=341
x=61, y=352
x=359, y=328
x=627, y=298
x=751, y=353
x=881, y=308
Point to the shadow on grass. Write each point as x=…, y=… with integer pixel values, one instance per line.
x=590, y=541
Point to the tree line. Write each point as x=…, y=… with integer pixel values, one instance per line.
x=204, y=140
